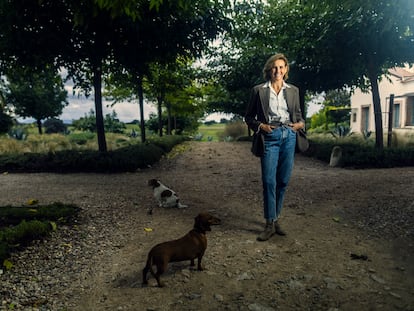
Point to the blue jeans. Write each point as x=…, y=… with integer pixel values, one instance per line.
x=277, y=164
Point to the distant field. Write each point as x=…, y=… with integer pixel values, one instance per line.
x=214, y=132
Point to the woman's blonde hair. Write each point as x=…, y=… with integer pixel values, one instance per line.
x=267, y=69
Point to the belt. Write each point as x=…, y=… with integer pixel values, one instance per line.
x=276, y=124
x=279, y=124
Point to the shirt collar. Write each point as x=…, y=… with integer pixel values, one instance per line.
x=267, y=85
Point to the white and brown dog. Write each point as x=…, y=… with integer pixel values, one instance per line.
x=165, y=196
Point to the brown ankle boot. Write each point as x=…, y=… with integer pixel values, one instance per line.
x=268, y=231
x=279, y=230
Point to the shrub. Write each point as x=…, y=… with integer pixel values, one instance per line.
x=166, y=143
x=12, y=215
x=18, y=133
x=234, y=130
x=86, y=123
x=11, y=146
x=198, y=137
x=47, y=143
x=54, y=125
x=4, y=251
x=19, y=235
x=20, y=225
x=81, y=138
x=24, y=232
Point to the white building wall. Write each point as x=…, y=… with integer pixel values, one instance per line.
x=361, y=104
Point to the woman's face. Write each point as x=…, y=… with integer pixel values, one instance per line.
x=279, y=70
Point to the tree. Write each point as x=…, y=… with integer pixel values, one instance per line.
x=163, y=32
x=94, y=35
x=173, y=86
x=337, y=106
x=229, y=91
x=34, y=33
x=159, y=31
x=337, y=98
x=74, y=34
x=235, y=65
x=335, y=109
x=88, y=123
x=113, y=124
x=181, y=124
x=36, y=93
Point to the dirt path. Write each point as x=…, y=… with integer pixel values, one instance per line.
x=329, y=214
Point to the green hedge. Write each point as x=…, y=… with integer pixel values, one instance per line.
x=125, y=159
x=356, y=155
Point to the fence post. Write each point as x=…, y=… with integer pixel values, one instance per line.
x=390, y=117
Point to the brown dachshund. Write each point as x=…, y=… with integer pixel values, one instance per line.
x=189, y=247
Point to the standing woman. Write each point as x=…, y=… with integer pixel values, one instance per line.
x=274, y=110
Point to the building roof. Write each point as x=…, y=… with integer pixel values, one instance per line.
x=402, y=73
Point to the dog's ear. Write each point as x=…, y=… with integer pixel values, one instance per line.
x=202, y=223
x=197, y=221
x=153, y=182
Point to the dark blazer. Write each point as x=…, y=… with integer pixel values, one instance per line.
x=258, y=107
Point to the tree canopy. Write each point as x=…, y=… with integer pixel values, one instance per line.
x=36, y=93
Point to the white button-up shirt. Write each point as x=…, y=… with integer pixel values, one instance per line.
x=278, y=105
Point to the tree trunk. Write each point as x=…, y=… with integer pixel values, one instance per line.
x=379, y=139
x=159, y=99
x=39, y=126
x=100, y=130
x=169, y=131
x=141, y=108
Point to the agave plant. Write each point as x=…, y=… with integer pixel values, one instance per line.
x=18, y=133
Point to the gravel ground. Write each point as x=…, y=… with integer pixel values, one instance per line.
x=330, y=214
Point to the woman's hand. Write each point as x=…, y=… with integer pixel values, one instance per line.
x=297, y=126
x=266, y=128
